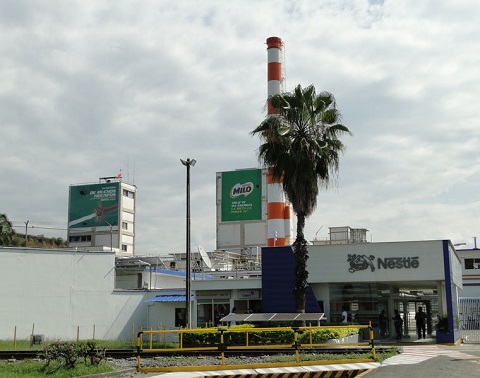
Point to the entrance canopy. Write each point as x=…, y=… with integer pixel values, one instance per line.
x=272, y=317
x=169, y=298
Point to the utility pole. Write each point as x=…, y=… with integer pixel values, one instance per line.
x=188, y=313
x=26, y=233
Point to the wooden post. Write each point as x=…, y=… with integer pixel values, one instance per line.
x=15, y=339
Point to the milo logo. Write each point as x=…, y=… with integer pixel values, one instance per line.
x=241, y=190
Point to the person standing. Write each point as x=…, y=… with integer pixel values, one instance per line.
x=344, y=315
x=233, y=312
x=382, y=324
x=420, y=319
x=398, y=323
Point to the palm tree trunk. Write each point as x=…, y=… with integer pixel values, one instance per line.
x=301, y=275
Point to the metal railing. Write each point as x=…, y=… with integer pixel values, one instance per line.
x=222, y=340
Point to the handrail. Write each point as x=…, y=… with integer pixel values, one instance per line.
x=221, y=346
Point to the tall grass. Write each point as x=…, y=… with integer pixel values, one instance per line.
x=34, y=369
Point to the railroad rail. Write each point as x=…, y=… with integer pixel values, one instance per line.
x=130, y=353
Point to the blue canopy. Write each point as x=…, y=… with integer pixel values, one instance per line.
x=169, y=298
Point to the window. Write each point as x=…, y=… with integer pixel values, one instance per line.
x=80, y=238
x=124, y=247
x=124, y=226
x=180, y=317
x=128, y=193
x=472, y=263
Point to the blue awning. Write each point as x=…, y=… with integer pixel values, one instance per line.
x=169, y=298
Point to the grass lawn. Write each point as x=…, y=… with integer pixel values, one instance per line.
x=34, y=369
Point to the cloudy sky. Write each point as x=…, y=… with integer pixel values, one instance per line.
x=91, y=87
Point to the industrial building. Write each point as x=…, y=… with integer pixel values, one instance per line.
x=101, y=288
x=102, y=215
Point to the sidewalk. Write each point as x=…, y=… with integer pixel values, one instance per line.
x=351, y=370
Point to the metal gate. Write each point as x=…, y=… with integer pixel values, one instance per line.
x=469, y=309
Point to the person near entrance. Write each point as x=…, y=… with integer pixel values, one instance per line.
x=420, y=319
x=398, y=322
x=344, y=315
x=382, y=324
x=233, y=312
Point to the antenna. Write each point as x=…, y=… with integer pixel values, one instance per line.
x=204, y=256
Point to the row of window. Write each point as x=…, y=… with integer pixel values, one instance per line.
x=472, y=263
x=80, y=238
x=128, y=193
x=88, y=238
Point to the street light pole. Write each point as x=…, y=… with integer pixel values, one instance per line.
x=188, y=313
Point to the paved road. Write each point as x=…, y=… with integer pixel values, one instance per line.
x=431, y=361
x=414, y=361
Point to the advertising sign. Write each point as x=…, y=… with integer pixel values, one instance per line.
x=362, y=262
x=242, y=195
x=93, y=205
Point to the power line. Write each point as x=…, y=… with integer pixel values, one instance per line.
x=42, y=228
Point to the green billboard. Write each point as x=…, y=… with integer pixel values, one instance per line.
x=93, y=205
x=242, y=195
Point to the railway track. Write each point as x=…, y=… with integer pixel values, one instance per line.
x=129, y=353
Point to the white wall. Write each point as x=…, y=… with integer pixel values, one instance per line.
x=153, y=280
x=471, y=277
x=57, y=292
x=334, y=266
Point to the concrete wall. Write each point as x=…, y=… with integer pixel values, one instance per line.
x=58, y=293
x=149, y=280
x=470, y=277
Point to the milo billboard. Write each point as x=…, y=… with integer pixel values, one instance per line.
x=93, y=205
x=242, y=195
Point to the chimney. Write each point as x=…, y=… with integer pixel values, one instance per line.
x=279, y=214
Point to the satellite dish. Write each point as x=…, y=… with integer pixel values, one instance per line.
x=205, y=257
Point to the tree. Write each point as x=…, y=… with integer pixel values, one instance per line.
x=6, y=230
x=301, y=147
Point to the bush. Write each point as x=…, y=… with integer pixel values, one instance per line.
x=64, y=355
x=442, y=324
x=211, y=336
x=255, y=337
x=323, y=334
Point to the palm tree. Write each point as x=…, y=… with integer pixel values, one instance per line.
x=301, y=147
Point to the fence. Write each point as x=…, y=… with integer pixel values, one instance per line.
x=469, y=311
x=217, y=339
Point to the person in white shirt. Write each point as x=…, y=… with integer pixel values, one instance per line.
x=233, y=322
x=344, y=315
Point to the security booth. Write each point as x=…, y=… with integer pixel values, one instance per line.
x=216, y=297
x=366, y=278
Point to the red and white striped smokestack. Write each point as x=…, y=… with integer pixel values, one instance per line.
x=274, y=69
x=279, y=214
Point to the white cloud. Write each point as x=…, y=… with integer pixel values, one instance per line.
x=91, y=87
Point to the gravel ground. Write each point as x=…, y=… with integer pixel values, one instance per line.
x=127, y=367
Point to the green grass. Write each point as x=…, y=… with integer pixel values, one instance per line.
x=25, y=344
x=34, y=369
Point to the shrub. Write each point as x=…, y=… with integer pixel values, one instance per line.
x=65, y=355
x=323, y=334
x=59, y=355
x=442, y=324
